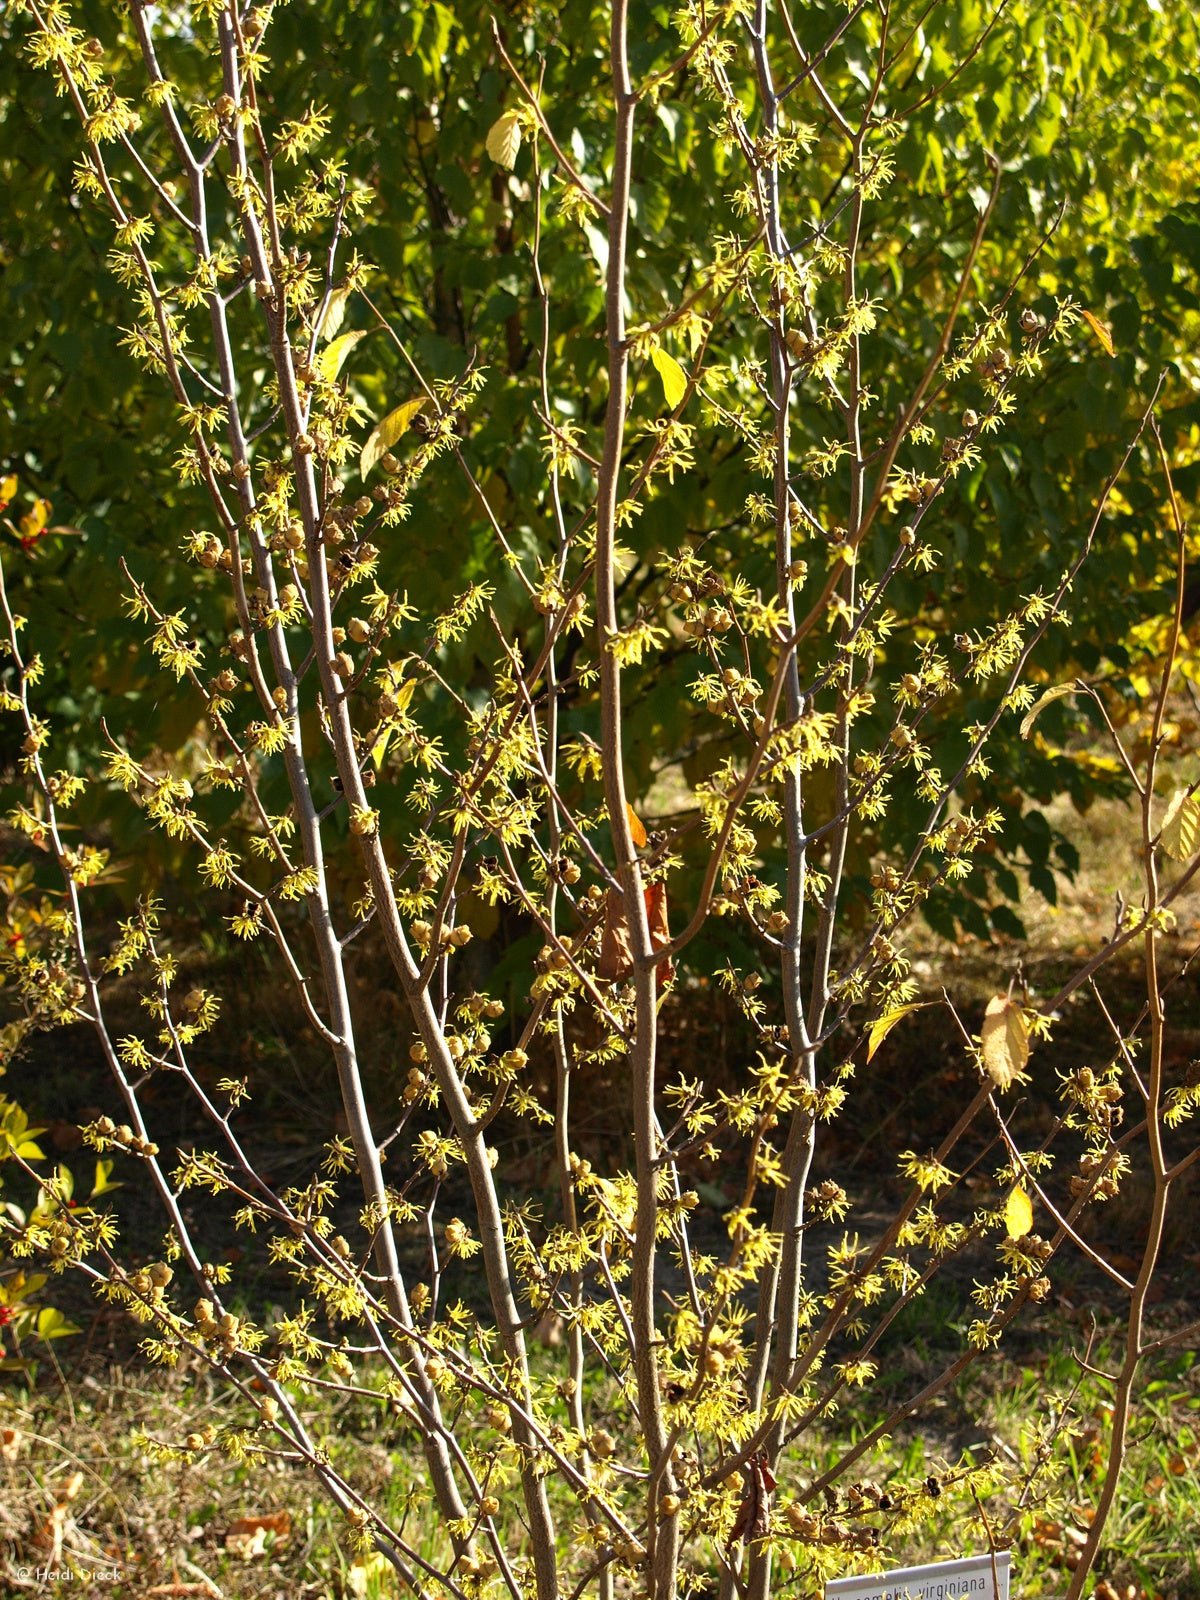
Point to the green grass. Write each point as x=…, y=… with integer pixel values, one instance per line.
x=78, y=1447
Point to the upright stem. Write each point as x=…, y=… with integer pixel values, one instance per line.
x=1135, y=1348
x=662, y=1529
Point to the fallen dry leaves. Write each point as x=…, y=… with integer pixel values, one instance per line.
x=247, y=1537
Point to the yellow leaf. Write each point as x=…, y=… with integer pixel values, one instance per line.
x=1103, y=336
x=640, y=837
x=329, y=362
x=1004, y=1041
x=882, y=1026
x=8, y=489
x=674, y=378
x=1018, y=1214
x=1042, y=701
x=388, y=431
x=504, y=139
x=35, y=519
x=335, y=312
x=1180, y=831
x=369, y=1575
x=104, y=1182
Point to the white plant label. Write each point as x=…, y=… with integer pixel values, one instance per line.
x=974, y=1578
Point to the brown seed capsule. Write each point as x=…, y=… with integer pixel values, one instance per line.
x=358, y=630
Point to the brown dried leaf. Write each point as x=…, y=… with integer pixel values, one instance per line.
x=753, y=1520
x=247, y=1537
x=616, y=945
x=660, y=931
x=616, y=951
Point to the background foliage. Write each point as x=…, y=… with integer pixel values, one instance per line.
x=1087, y=107
x=1067, y=137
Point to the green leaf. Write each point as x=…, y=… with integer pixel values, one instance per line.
x=598, y=245
x=504, y=139
x=1180, y=831
x=335, y=312
x=51, y=1324
x=329, y=362
x=674, y=378
x=882, y=1026
x=388, y=432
